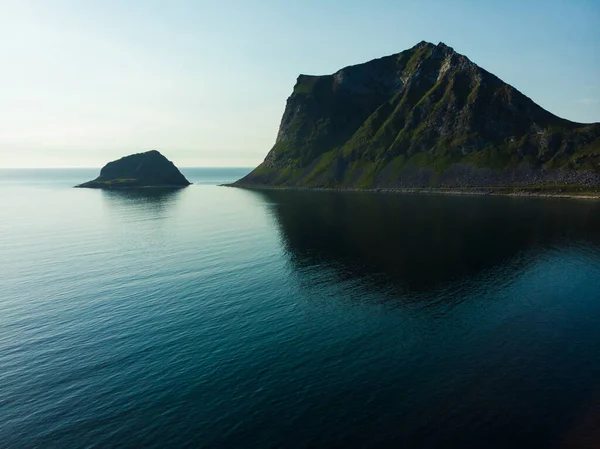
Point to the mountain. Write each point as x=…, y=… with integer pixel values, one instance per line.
x=425, y=117
x=149, y=169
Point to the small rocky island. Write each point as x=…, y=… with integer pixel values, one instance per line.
x=149, y=169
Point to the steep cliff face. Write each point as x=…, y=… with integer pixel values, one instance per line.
x=149, y=169
x=425, y=117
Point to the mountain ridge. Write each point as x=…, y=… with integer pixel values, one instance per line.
x=425, y=117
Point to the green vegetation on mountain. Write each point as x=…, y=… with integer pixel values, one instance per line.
x=426, y=117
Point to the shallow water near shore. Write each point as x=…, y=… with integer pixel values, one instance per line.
x=222, y=317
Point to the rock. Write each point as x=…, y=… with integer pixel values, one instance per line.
x=425, y=117
x=149, y=169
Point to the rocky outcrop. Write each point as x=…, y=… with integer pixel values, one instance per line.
x=149, y=169
x=425, y=116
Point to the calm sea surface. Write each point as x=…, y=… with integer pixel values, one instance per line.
x=223, y=318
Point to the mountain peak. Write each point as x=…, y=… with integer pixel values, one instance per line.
x=439, y=46
x=423, y=44
x=444, y=46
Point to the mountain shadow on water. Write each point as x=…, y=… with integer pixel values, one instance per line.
x=423, y=242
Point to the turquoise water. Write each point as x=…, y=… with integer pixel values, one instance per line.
x=220, y=317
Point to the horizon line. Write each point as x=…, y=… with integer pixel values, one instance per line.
x=98, y=168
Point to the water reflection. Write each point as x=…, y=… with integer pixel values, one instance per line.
x=156, y=201
x=423, y=242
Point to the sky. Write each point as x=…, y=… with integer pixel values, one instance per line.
x=205, y=82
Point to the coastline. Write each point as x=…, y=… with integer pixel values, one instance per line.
x=128, y=187
x=483, y=191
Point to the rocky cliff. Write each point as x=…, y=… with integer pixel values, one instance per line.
x=149, y=169
x=425, y=117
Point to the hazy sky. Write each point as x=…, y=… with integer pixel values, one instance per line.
x=84, y=82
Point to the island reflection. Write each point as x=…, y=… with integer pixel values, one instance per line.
x=151, y=195
x=424, y=241
x=153, y=201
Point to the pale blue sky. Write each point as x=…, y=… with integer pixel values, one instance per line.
x=84, y=82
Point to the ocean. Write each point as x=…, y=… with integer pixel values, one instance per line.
x=226, y=318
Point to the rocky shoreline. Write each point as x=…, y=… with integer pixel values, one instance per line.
x=487, y=191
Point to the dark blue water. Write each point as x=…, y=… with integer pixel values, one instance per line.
x=219, y=317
